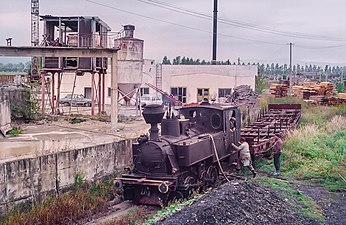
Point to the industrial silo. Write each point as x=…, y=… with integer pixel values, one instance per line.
x=130, y=63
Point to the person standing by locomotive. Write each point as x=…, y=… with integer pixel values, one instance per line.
x=245, y=157
x=277, y=153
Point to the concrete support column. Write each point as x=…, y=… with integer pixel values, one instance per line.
x=43, y=90
x=92, y=94
x=58, y=94
x=103, y=92
x=99, y=95
x=52, y=97
x=114, y=89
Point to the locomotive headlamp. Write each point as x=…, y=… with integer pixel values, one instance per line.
x=163, y=188
x=118, y=184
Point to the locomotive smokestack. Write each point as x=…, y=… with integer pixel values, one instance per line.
x=153, y=115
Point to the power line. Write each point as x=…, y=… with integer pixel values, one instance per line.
x=239, y=24
x=322, y=47
x=180, y=25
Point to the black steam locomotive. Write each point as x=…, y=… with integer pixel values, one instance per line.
x=185, y=156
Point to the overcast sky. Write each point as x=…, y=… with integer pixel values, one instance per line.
x=249, y=28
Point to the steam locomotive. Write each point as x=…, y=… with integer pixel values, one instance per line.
x=185, y=156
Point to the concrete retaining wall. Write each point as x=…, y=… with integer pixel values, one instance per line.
x=33, y=179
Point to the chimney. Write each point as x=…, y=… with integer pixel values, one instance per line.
x=129, y=31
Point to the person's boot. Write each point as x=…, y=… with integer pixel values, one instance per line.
x=253, y=173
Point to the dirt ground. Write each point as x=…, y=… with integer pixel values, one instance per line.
x=333, y=204
x=239, y=202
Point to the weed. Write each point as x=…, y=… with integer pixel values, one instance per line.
x=70, y=206
x=133, y=217
x=14, y=132
x=27, y=108
x=79, y=180
x=317, y=151
x=171, y=209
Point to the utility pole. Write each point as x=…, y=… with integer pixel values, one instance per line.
x=290, y=76
x=213, y=61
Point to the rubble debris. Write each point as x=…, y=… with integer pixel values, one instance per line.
x=241, y=95
x=239, y=203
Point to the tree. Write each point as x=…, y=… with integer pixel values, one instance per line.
x=183, y=61
x=261, y=84
x=166, y=60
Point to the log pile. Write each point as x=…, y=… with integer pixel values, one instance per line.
x=325, y=89
x=242, y=94
x=307, y=89
x=323, y=100
x=342, y=96
x=279, y=90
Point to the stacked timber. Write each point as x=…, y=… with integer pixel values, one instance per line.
x=243, y=94
x=307, y=89
x=325, y=89
x=342, y=96
x=303, y=92
x=317, y=98
x=279, y=90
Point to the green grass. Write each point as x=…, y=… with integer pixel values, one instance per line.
x=303, y=204
x=171, y=209
x=15, y=132
x=313, y=154
x=317, y=148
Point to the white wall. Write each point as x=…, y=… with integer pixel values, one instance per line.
x=207, y=76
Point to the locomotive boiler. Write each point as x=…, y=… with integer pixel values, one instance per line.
x=185, y=156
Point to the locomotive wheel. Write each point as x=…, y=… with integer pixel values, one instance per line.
x=190, y=182
x=203, y=177
x=173, y=197
x=213, y=174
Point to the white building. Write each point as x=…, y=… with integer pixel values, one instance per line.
x=193, y=83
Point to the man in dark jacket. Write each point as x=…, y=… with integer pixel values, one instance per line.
x=277, y=153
